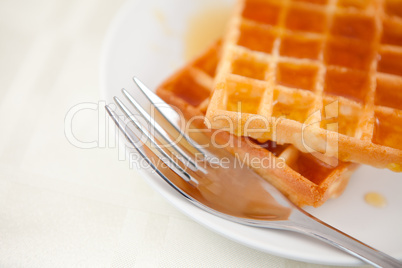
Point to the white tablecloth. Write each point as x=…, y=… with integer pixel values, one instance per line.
x=62, y=206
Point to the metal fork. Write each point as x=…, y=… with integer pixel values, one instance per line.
x=220, y=190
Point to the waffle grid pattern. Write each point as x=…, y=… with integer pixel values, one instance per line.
x=305, y=179
x=292, y=58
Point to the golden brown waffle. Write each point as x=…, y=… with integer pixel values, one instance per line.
x=302, y=177
x=323, y=75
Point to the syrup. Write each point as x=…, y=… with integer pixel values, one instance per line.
x=204, y=28
x=375, y=199
x=231, y=189
x=387, y=130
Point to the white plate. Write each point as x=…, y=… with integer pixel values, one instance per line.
x=146, y=40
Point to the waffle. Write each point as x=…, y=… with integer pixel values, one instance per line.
x=323, y=75
x=303, y=178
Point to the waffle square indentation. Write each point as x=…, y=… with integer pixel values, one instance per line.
x=347, y=84
x=195, y=96
x=390, y=62
x=388, y=130
x=306, y=20
x=353, y=26
x=348, y=54
x=249, y=67
x=292, y=104
x=342, y=115
x=256, y=38
x=392, y=33
x=388, y=92
x=262, y=11
x=301, y=76
x=311, y=167
x=243, y=97
x=393, y=8
x=298, y=46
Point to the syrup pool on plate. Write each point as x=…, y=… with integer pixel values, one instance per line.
x=205, y=27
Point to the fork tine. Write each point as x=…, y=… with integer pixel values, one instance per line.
x=167, y=159
x=160, y=130
x=170, y=115
x=129, y=136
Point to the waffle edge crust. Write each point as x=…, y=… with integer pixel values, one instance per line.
x=322, y=75
x=305, y=180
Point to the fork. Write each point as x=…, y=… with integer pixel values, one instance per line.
x=220, y=190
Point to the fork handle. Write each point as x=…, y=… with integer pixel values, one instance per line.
x=326, y=233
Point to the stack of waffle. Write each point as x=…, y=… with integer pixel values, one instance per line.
x=323, y=75
x=302, y=83
x=305, y=179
